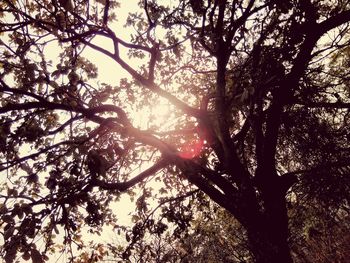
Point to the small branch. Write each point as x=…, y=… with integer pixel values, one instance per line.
x=132, y=182
x=150, y=22
x=35, y=155
x=172, y=199
x=105, y=12
x=6, y=88
x=152, y=63
x=87, y=112
x=243, y=132
x=175, y=132
x=324, y=166
x=330, y=105
x=61, y=128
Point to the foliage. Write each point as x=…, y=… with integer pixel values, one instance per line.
x=257, y=105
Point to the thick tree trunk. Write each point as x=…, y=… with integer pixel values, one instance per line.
x=267, y=247
x=268, y=237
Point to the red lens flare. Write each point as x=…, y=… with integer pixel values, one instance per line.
x=192, y=149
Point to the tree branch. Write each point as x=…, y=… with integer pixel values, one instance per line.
x=149, y=84
x=330, y=105
x=105, y=12
x=123, y=186
x=332, y=22
x=87, y=112
x=35, y=155
x=323, y=166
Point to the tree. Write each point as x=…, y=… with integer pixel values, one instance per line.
x=258, y=95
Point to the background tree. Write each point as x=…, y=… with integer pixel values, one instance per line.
x=318, y=234
x=258, y=97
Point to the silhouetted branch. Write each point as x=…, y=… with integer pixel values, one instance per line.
x=123, y=186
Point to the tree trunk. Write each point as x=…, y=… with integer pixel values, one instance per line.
x=268, y=237
x=268, y=249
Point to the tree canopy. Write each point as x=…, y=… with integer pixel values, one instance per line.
x=236, y=106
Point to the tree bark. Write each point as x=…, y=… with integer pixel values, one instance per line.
x=268, y=237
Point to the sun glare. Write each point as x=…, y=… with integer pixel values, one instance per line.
x=160, y=113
